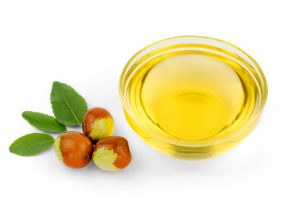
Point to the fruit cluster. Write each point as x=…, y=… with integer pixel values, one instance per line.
x=110, y=153
x=75, y=149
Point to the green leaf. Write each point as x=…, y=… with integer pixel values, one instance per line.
x=68, y=106
x=31, y=144
x=43, y=122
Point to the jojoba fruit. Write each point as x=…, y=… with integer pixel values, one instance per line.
x=97, y=124
x=74, y=149
x=112, y=153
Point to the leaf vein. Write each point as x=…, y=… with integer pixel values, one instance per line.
x=45, y=123
x=69, y=106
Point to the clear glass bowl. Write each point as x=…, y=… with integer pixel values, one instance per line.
x=184, y=148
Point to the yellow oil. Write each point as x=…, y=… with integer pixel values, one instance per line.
x=191, y=96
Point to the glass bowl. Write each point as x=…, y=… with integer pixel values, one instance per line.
x=244, y=69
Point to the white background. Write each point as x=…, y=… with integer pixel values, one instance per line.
x=87, y=43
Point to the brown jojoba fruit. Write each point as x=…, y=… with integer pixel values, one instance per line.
x=97, y=124
x=112, y=153
x=74, y=149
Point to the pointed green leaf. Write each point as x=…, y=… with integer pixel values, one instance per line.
x=68, y=106
x=31, y=144
x=43, y=122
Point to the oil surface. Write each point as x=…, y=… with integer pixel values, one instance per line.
x=193, y=95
